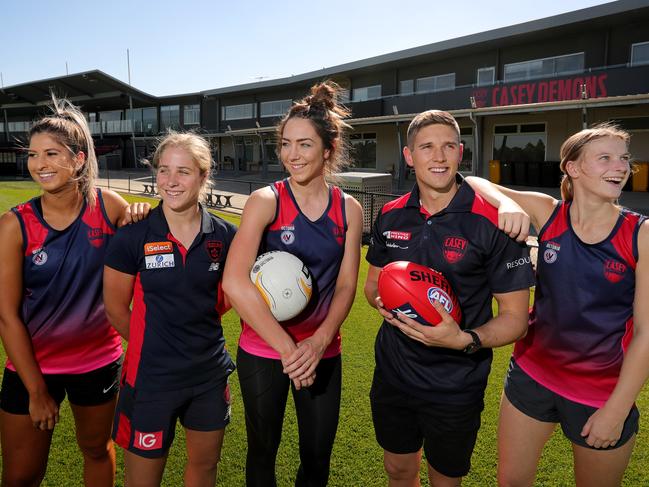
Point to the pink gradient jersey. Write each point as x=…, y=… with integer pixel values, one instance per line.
x=582, y=320
x=320, y=245
x=62, y=306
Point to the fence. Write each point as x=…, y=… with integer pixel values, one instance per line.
x=231, y=194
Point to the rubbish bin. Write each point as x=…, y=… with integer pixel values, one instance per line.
x=506, y=172
x=494, y=171
x=534, y=173
x=640, y=179
x=520, y=173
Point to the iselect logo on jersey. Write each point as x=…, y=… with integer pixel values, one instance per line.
x=153, y=248
x=159, y=261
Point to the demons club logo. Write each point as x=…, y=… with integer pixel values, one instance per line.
x=454, y=249
x=214, y=249
x=614, y=270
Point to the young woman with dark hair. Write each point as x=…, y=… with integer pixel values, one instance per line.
x=314, y=220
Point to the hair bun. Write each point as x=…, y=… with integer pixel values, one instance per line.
x=324, y=94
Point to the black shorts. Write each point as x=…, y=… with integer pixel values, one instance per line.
x=540, y=403
x=403, y=423
x=92, y=388
x=145, y=421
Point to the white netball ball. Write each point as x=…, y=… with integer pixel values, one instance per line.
x=284, y=282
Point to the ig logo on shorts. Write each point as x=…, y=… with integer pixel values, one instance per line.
x=148, y=441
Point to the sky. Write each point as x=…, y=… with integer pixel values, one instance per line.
x=193, y=45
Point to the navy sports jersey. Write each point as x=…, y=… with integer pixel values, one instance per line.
x=583, y=309
x=320, y=245
x=175, y=338
x=462, y=242
x=63, y=307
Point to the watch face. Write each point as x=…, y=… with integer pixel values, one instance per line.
x=475, y=345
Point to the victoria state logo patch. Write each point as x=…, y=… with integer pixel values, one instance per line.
x=614, y=270
x=454, y=249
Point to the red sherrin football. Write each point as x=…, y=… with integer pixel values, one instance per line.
x=411, y=289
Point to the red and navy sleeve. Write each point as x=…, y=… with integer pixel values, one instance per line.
x=377, y=253
x=124, y=249
x=508, y=264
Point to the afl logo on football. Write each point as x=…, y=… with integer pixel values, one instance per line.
x=454, y=249
x=287, y=237
x=550, y=256
x=439, y=295
x=39, y=257
x=614, y=270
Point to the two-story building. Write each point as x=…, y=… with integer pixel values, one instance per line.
x=517, y=93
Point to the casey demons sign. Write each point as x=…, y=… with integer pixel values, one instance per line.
x=542, y=91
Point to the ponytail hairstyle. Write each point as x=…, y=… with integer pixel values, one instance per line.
x=573, y=148
x=68, y=126
x=323, y=109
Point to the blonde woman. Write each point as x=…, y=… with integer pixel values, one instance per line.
x=586, y=355
x=176, y=368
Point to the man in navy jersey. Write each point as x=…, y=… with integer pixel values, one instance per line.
x=429, y=381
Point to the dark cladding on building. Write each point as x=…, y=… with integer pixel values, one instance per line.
x=517, y=93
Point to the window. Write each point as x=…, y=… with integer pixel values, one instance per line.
x=366, y=93
x=466, y=138
x=19, y=126
x=540, y=68
x=170, y=117
x=640, y=53
x=407, y=87
x=135, y=119
x=239, y=112
x=633, y=123
x=7, y=157
x=270, y=149
x=110, y=116
x=520, y=142
x=192, y=114
x=486, y=76
x=274, y=108
x=364, y=150
x=443, y=82
x=150, y=120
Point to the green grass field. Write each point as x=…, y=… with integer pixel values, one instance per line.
x=356, y=459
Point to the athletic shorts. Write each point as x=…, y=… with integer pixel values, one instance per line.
x=145, y=421
x=88, y=389
x=403, y=423
x=540, y=403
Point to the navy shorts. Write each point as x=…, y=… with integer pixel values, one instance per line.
x=145, y=421
x=403, y=423
x=540, y=403
x=88, y=389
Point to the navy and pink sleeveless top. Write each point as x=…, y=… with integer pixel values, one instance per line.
x=320, y=245
x=62, y=306
x=582, y=320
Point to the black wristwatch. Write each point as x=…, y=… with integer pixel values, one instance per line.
x=475, y=345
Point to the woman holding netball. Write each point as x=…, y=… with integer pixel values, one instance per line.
x=317, y=222
x=52, y=320
x=586, y=355
x=176, y=368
